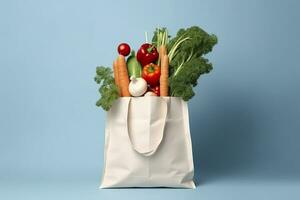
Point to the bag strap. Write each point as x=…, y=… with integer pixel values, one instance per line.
x=164, y=111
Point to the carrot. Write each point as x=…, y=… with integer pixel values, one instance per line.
x=116, y=75
x=164, y=75
x=162, y=53
x=123, y=76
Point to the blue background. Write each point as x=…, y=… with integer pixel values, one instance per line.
x=244, y=118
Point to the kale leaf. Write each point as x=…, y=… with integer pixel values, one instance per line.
x=108, y=90
x=186, y=60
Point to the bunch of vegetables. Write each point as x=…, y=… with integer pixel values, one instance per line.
x=165, y=67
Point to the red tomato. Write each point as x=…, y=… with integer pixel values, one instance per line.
x=124, y=49
x=151, y=73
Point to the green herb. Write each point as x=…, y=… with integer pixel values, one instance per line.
x=186, y=61
x=108, y=90
x=160, y=37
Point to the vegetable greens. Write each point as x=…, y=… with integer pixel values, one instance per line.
x=186, y=61
x=108, y=90
x=160, y=37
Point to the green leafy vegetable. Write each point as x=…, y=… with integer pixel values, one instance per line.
x=108, y=90
x=186, y=61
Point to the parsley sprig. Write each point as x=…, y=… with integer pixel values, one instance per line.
x=108, y=90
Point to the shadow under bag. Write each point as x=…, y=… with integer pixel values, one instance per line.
x=148, y=144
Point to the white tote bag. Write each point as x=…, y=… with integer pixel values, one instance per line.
x=148, y=144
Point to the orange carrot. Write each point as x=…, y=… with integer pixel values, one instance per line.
x=123, y=76
x=164, y=75
x=116, y=75
x=162, y=53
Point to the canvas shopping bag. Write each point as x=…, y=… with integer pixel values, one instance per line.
x=148, y=144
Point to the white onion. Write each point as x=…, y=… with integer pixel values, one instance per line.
x=137, y=86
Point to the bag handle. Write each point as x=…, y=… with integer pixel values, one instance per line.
x=154, y=147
